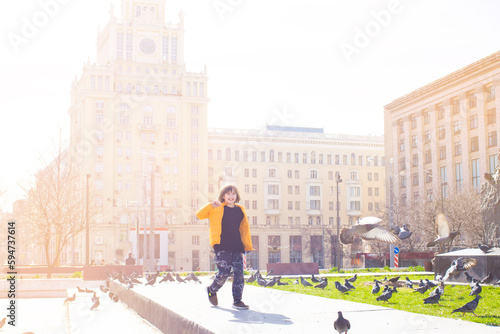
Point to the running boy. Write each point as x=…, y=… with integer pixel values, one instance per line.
x=229, y=235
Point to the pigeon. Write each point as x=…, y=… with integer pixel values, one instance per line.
x=421, y=289
x=434, y=299
x=470, y=307
x=322, y=284
x=439, y=277
x=348, y=285
x=444, y=234
x=421, y=283
x=341, y=324
x=296, y=281
x=80, y=289
x=429, y=283
x=2, y=322
x=314, y=279
x=167, y=278
x=484, y=248
x=70, y=299
x=252, y=278
x=385, y=296
x=376, y=288
x=408, y=283
x=270, y=272
x=104, y=289
x=475, y=290
x=368, y=228
x=261, y=281
x=487, y=279
x=192, y=277
x=439, y=289
x=393, y=280
x=272, y=282
x=353, y=279
x=152, y=280
x=96, y=304
x=459, y=265
x=115, y=298
x=304, y=282
x=94, y=297
x=280, y=282
x=470, y=278
x=497, y=282
x=179, y=279
x=340, y=287
x=402, y=233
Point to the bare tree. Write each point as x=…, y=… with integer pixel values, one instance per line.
x=55, y=209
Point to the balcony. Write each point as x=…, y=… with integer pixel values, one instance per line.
x=148, y=127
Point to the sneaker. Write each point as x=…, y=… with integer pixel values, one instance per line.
x=240, y=305
x=212, y=297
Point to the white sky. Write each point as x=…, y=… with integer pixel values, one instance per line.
x=268, y=61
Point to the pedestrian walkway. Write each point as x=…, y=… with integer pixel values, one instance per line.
x=274, y=311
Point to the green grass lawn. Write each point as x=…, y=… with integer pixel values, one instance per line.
x=406, y=299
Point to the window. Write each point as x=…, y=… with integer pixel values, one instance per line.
x=473, y=122
x=273, y=204
x=355, y=191
x=457, y=128
x=313, y=174
x=492, y=138
x=472, y=100
x=413, y=121
x=458, y=148
x=315, y=205
x=459, y=178
x=429, y=195
x=415, y=160
x=442, y=152
x=315, y=190
x=455, y=106
x=272, y=172
x=442, y=132
x=440, y=111
x=427, y=136
x=370, y=176
x=493, y=162
x=401, y=126
x=428, y=157
x=370, y=191
x=444, y=178
x=415, y=179
x=273, y=189
x=490, y=93
x=401, y=145
x=402, y=181
x=491, y=116
x=428, y=176
x=474, y=144
x=427, y=116
x=195, y=240
x=475, y=174
x=402, y=163
x=355, y=205
x=414, y=141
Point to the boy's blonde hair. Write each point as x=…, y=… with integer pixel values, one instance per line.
x=228, y=188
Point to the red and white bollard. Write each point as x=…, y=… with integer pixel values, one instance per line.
x=396, y=260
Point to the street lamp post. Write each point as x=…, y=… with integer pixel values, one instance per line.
x=339, y=256
x=87, y=227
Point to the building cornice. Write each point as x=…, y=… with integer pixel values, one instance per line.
x=468, y=71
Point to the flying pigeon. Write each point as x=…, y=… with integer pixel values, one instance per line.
x=487, y=279
x=444, y=234
x=340, y=287
x=403, y=232
x=322, y=284
x=434, y=299
x=368, y=228
x=484, y=248
x=475, y=290
x=341, y=324
x=470, y=307
x=70, y=299
x=353, y=279
x=459, y=265
x=304, y=282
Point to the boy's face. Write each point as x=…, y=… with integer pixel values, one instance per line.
x=230, y=197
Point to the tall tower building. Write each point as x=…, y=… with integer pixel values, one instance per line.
x=139, y=129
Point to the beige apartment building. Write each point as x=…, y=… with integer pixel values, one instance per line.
x=442, y=137
x=140, y=136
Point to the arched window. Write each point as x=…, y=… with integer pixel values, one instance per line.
x=313, y=157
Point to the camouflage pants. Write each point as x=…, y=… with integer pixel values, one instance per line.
x=227, y=260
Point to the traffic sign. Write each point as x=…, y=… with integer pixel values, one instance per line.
x=396, y=250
